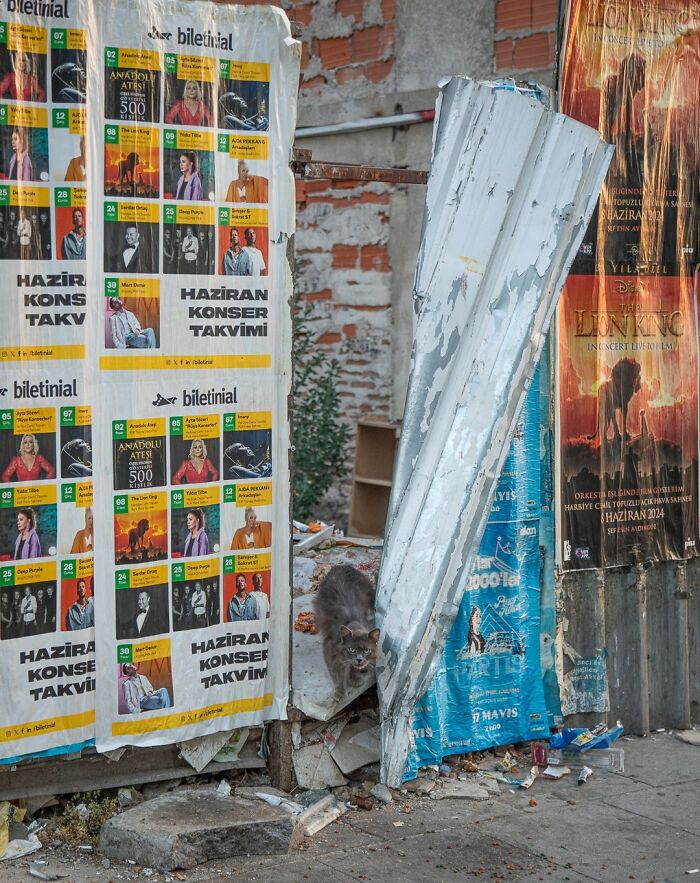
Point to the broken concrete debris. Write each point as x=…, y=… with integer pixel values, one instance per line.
x=193, y=825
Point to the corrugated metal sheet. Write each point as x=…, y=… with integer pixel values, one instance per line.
x=511, y=189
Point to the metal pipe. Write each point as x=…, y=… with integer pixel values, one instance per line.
x=362, y=125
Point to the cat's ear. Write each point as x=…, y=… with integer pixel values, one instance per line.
x=345, y=632
x=374, y=635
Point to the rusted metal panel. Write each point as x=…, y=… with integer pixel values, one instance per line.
x=512, y=187
x=350, y=172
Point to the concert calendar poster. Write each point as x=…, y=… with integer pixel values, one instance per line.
x=192, y=200
x=47, y=603
x=627, y=330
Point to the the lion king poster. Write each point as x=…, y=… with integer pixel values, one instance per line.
x=628, y=436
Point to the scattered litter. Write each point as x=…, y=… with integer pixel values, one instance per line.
x=231, y=750
x=283, y=802
x=310, y=798
x=24, y=845
x=555, y=772
x=533, y=802
x=528, y=781
x=497, y=776
x=36, y=871
x=306, y=622
x=321, y=814
x=539, y=753
x=82, y=811
x=693, y=871
x=85, y=847
x=507, y=763
x=585, y=773
x=611, y=759
x=362, y=802
x=224, y=788
x=400, y=825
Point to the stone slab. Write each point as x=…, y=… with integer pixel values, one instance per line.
x=195, y=825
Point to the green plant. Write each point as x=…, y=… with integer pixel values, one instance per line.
x=81, y=818
x=319, y=436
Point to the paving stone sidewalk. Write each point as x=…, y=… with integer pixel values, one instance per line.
x=641, y=825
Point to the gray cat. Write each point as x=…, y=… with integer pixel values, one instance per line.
x=344, y=606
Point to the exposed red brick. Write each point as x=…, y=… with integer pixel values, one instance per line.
x=513, y=15
x=344, y=256
x=352, y=8
x=544, y=13
x=317, y=184
x=350, y=330
x=313, y=83
x=379, y=70
x=375, y=257
x=504, y=54
x=346, y=74
x=335, y=51
x=388, y=9
x=366, y=44
x=532, y=53
x=329, y=337
x=325, y=294
x=301, y=13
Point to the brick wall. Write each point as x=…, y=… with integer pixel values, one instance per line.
x=347, y=46
x=526, y=34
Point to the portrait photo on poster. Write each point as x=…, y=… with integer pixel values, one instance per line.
x=188, y=175
x=76, y=451
x=25, y=233
x=250, y=527
x=69, y=157
x=195, y=531
x=196, y=604
x=244, y=105
x=27, y=610
x=76, y=532
x=247, y=454
x=22, y=75
x=243, y=250
x=25, y=154
x=142, y=612
x=27, y=456
x=28, y=532
x=188, y=102
x=189, y=250
x=194, y=461
x=71, y=235
x=68, y=76
x=131, y=247
x=77, y=604
x=141, y=537
x=132, y=323
x=145, y=686
x=247, y=596
x=250, y=184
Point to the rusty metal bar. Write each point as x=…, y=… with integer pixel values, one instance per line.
x=305, y=167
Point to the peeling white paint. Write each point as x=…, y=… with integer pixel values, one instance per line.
x=513, y=186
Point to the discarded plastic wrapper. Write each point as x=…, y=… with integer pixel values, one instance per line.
x=275, y=800
x=529, y=779
x=539, y=753
x=555, y=772
x=498, y=776
x=507, y=762
x=611, y=759
x=585, y=773
x=585, y=740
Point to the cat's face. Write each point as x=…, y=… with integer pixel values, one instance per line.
x=359, y=648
